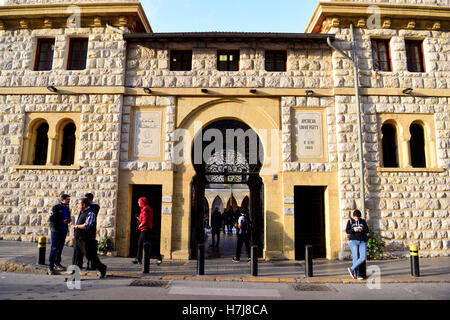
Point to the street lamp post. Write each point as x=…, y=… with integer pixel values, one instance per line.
x=354, y=60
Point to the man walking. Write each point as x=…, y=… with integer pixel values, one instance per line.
x=59, y=221
x=216, y=224
x=145, y=227
x=85, y=230
x=243, y=236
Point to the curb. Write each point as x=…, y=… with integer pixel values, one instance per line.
x=6, y=266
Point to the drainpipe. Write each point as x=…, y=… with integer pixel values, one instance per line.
x=354, y=60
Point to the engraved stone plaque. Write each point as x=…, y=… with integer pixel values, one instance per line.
x=147, y=133
x=308, y=134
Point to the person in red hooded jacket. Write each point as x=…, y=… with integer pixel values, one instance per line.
x=145, y=227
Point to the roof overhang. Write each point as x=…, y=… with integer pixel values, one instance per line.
x=337, y=9
x=115, y=13
x=224, y=36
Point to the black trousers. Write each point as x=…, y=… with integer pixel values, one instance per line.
x=88, y=249
x=242, y=239
x=145, y=236
x=215, y=233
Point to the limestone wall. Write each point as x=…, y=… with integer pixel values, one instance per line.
x=104, y=65
x=27, y=195
x=308, y=66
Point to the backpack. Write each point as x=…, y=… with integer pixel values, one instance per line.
x=245, y=226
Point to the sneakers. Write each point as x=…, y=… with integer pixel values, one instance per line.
x=351, y=273
x=60, y=267
x=158, y=262
x=236, y=260
x=249, y=259
x=50, y=272
x=137, y=262
x=360, y=278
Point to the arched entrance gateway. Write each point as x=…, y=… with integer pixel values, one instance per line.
x=227, y=152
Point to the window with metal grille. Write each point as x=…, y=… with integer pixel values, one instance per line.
x=381, y=55
x=276, y=61
x=44, y=56
x=414, y=54
x=78, y=48
x=181, y=60
x=228, y=60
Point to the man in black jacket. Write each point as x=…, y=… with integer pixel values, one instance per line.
x=95, y=208
x=85, y=237
x=357, y=229
x=59, y=221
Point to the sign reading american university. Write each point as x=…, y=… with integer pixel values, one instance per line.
x=147, y=133
x=308, y=134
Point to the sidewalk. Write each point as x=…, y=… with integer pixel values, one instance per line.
x=22, y=257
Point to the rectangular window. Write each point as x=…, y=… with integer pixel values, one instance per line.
x=414, y=54
x=228, y=60
x=181, y=60
x=77, y=54
x=381, y=55
x=276, y=61
x=44, y=54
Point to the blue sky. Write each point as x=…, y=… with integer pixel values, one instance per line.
x=229, y=15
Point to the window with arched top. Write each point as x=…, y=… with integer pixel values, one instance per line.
x=68, y=144
x=41, y=144
x=417, y=146
x=389, y=145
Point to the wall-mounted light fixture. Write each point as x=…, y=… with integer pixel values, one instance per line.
x=309, y=92
x=52, y=89
x=147, y=90
x=408, y=91
x=205, y=90
x=253, y=91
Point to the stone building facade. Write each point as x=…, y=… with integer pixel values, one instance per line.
x=128, y=106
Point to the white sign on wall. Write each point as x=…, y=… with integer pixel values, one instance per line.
x=147, y=133
x=309, y=134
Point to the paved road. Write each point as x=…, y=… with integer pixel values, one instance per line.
x=15, y=286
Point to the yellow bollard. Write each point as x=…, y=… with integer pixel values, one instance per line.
x=414, y=254
x=42, y=245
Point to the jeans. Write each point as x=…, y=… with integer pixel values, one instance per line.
x=359, y=254
x=146, y=236
x=58, y=239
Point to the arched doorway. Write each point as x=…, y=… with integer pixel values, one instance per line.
x=228, y=152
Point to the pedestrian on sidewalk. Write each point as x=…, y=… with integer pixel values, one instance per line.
x=216, y=224
x=357, y=229
x=95, y=208
x=243, y=236
x=59, y=226
x=145, y=227
x=85, y=232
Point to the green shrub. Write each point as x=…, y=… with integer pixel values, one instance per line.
x=374, y=246
x=105, y=245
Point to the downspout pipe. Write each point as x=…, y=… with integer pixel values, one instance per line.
x=354, y=60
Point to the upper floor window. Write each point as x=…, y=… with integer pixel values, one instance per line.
x=228, y=60
x=78, y=48
x=381, y=55
x=276, y=60
x=389, y=144
x=180, y=60
x=414, y=55
x=44, y=54
x=417, y=146
x=40, y=144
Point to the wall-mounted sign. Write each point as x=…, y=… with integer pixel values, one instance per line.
x=289, y=211
x=167, y=210
x=309, y=134
x=147, y=133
